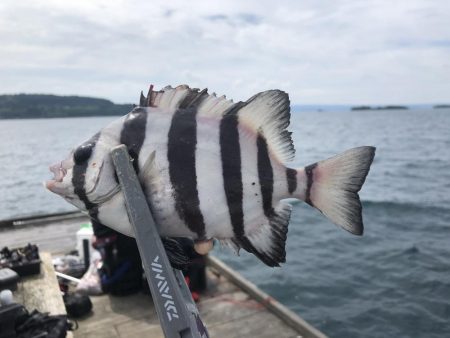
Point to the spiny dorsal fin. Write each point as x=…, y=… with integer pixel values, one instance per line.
x=167, y=98
x=268, y=113
x=184, y=97
x=214, y=106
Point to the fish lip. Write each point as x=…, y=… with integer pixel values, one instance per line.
x=59, y=188
x=58, y=171
x=54, y=186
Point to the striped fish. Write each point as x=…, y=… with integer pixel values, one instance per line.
x=212, y=168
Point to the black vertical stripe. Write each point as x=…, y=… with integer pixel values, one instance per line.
x=309, y=181
x=194, y=98
x=232, y=177
x=182, y=142
x=265, y=174
x=230, y=152
x=81, y=158
x=291, y=177
x=133, y=134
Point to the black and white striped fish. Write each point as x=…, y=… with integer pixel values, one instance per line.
x=212, y=168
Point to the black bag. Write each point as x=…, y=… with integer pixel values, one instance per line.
x=9, y=315
x=121, y=271
x=77, y=305
x=38, y=324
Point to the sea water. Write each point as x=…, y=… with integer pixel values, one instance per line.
x=392, y=282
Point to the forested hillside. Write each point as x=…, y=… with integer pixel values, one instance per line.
x=45, y=106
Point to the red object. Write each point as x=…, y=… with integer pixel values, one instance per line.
x=195, y=294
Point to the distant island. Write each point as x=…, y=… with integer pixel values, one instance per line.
x=22, y=106
x=379, y=108
x=441, y=106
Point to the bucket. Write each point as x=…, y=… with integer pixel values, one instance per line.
x=84, y=242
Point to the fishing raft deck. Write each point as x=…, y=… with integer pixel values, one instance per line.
x=231, y=307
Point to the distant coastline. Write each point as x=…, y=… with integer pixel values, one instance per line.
x=32, y=106
x=441, y=106
x=23, y=106
x=298, y=108
x=380, y=108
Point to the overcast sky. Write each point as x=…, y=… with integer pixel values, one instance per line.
x=324, y=52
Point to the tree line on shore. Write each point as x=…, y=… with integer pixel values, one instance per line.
x=47, y=106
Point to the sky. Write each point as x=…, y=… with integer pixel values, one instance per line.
x=319, y=51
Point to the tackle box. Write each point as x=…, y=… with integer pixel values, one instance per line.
x=25, y=261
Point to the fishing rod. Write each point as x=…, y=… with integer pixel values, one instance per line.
x=177, y=312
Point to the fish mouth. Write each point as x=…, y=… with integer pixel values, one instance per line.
x=54, y=184
x=58, y=171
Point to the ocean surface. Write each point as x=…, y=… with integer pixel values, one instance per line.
x=392, y=282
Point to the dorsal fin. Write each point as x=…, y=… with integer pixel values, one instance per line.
x=167, y=99
x=214, y=106
x=268, y=113
x=183, y=96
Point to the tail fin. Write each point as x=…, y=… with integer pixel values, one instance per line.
x=332, y=187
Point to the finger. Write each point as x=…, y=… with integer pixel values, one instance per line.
x=203, y=247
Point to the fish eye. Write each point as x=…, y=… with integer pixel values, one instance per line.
x=82, y=153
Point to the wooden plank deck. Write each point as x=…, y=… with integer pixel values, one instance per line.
x=41, y=292
x=226, y=311
x=230, y=307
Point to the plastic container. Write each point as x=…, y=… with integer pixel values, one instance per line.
x=32, y=267
x=6, y=297
x=8, y=279
x=25, y=261
x=84, y=242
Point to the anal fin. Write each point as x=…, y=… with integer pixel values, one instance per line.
x=268, y=242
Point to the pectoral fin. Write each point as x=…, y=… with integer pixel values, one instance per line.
x=149, y=170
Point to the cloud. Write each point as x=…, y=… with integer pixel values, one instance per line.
x=318, y=51
x=240, y=18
